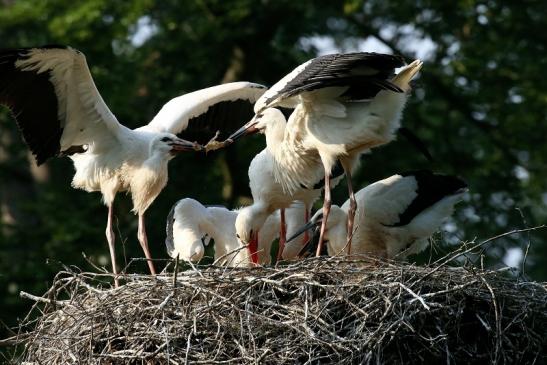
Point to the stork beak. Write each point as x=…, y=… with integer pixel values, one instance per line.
x=181, y=145
x=247, y=129
x=304, y=228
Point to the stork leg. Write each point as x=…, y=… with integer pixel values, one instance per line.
x=144, y=244
x=111, y=238
x=282, y=235
x=326, y=210
x=352, y=209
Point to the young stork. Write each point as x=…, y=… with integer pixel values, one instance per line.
x=269, y=196
x=189, y=222
x=60, y=112
x=401, y=212
x=345, y=104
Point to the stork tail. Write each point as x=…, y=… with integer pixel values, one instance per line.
x=403, y=78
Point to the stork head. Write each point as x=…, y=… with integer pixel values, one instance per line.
x=248, y=222
x=184, y=238
x=186, y=249
x=262, y=121
x=169, y=145
x=184, y=241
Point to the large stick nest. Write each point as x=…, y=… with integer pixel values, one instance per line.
x=314, y=311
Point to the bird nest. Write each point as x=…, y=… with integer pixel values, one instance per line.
x=320, y=310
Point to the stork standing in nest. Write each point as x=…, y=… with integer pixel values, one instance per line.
x=344, y=105
x=59, y=112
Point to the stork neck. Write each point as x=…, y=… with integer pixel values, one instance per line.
x=275, y=134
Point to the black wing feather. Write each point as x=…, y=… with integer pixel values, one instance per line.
x=431, y=189
x=365, y=73
x=33, y=102
x=224, y=117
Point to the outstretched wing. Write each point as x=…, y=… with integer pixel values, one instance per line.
x=363, y=74
x=199, y=115
x=54, y=100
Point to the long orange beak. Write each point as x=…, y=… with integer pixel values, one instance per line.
x=253, y=248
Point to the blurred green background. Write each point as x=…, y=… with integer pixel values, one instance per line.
x=479, y=104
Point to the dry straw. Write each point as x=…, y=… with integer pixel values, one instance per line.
x=315, y=311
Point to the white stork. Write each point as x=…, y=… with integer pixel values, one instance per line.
x=402, y=211
x=190, y=223
x=60, y=112
x=269, y=196
x=344, y=104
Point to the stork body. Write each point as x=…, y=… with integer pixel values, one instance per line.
x=345, y=104
x=402, y=211
x=268, y=196
x=60, y=112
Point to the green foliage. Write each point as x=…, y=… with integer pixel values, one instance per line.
x=479, y=104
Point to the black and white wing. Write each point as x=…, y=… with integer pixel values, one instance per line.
x=364, y=74
x=54, y=100
x=199, y=115
x=429, y=188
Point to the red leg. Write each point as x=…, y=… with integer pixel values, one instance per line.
x=144, y=244
x=111, y=238
x=326, y=210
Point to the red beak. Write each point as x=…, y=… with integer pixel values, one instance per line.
x=253, y=248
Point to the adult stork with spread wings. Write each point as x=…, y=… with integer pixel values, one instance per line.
x=60, y=112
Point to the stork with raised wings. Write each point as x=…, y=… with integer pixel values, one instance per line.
x=59, y=111
x=400, y=213
x=345, y=104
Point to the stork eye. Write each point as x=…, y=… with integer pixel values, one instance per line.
x=237, y=236
x=166, y=139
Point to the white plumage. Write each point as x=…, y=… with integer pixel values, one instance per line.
x=189, y=222
x=269, y=196
x=60, y=112
x=344, y=104
x=401, y=212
